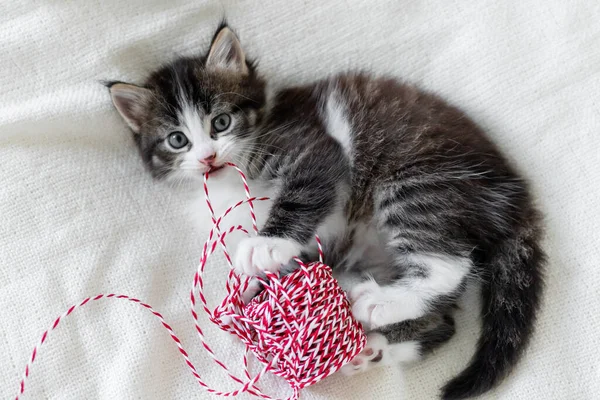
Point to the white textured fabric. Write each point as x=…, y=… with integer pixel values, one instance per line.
x=80, y=216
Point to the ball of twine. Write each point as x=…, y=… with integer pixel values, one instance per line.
x=302, y=321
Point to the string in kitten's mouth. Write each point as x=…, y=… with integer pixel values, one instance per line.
x=216, y=168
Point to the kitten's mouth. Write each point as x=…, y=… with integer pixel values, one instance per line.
x=216, y=168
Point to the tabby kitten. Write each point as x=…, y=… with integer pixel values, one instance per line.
x=409, y=196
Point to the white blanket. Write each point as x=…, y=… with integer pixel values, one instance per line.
x=80, y=216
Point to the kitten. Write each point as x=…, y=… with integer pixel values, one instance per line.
x=409, y=197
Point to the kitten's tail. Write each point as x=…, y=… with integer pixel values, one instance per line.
x=511, y=297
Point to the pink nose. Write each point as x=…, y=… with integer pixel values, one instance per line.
x=208, y=161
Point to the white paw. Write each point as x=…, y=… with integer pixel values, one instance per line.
x=375, y=306
x=260, y=254
x=367, y=306
x=373, y=355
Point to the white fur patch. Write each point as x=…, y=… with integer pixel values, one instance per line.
x=333, y=226
x=257, y=254
x=404, y=352
x=338, y=126
x=376, y=306
x=227, y=149
x=378, y=348
x=194, y=128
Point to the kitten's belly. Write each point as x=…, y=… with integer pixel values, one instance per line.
x=367, y=247
x=355, y=250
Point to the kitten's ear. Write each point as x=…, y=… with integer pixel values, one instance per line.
x=130, y=101
x=226, y=52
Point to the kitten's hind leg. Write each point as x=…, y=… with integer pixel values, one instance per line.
x=434, y=338
x=380, y=352
x=430, y=331
x=404, y=342
x=425, y=282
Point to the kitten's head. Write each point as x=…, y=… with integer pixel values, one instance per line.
x=195, y=113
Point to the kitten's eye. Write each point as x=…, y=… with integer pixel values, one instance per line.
x=221, y=122
x=177, y=140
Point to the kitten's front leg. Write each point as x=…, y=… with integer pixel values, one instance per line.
x=307, y=196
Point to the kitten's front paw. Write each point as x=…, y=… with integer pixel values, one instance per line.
x=372, y=355
x=261, y=254
x=365, y=303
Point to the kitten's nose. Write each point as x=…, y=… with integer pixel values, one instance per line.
x=208, y=161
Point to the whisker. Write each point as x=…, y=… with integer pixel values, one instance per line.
x=237, y=94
